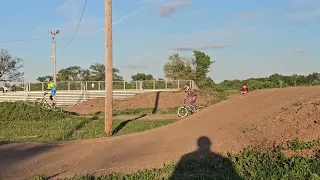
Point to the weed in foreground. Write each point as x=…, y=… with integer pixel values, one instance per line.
x=297, y=144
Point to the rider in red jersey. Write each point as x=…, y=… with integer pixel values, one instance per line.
x=244, y=89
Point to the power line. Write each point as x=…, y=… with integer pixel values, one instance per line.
x=84, y=7
x=21, y=40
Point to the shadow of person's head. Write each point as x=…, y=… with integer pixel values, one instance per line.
x=204, y=143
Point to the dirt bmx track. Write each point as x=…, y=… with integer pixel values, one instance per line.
x=276, y=115
x=158, y=100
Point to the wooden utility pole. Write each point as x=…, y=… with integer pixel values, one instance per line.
x=108, y=67
x=54, y=33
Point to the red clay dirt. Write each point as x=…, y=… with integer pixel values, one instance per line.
x=304, y=152
x=166, y=100
x=231, y=125
x=301, y=118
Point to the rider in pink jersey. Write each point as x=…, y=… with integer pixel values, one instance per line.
x=191, y=94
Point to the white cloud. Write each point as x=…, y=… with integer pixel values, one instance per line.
x=202, y=47
x=70, y=8
x=250, y=14
x=71, y=11
x=168, y=9
x=300, y=51
x=151, y=1
x=228, y=32
x=128, y=15
x=301, y=2
x=130, y=66
x=121, y=19
x=305, y=15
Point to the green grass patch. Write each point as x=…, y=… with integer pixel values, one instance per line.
x=69, y=129
x=251, y=163
x=19, y=111
x=20, y=122
x=139, y=111
x=144, y=111
x=297, y=144
x=132, y=111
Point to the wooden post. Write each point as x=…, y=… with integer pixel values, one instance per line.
x=108, y=68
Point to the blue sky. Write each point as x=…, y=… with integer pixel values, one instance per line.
x=247, y=38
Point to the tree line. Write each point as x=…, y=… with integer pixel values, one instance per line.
x=96, y=72
x=194, y=68
x=273, y=81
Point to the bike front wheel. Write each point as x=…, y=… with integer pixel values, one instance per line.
x=38, y=102
x=182, y=112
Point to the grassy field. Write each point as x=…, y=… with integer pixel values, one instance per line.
x=20, y=122
x=69, y=129
x=251, y=163
x=144, y=111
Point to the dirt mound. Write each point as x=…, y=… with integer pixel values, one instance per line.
x=300, y=119
x=161, y=100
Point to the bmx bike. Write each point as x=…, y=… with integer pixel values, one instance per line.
x=44, y=103
x=185, y=110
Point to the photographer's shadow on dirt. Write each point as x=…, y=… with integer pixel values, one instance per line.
x=203, y=164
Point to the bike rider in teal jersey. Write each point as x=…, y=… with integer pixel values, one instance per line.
x=51, y=87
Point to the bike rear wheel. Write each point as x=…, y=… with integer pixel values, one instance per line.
x=182, y=112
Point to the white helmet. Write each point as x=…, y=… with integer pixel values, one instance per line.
x=186, y=88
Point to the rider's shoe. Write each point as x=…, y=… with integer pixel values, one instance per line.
x=194, y=109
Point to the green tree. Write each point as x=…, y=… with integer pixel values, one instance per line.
x=85, y=75
x=202, y=63
x=72, y=73
x=10, y=67
x=178, y=68
x=141, y=76
x=273, y=81
x=97, y=71
x=44, y=78
x=116, y=76
x=275, y=78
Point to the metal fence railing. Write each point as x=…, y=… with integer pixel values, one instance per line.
x=63, y=97
x=100, y=85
